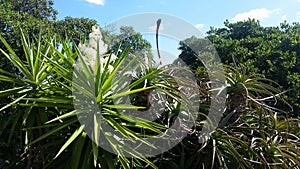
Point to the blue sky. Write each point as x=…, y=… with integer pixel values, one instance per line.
x=202, y=14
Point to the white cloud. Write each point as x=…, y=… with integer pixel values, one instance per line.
x=258, y=14
x=97, y=2
x=199, y=25
x=298, y=0
x=153, y=27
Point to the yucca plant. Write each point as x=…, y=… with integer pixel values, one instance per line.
x=63, y=96
x=33, y=73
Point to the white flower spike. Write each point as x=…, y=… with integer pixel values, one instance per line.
x=89, y=50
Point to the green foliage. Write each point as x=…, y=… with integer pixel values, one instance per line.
x=44, y=119
x=40, y=128
x=258, y=128
x=271, y=51
x=129, y=39
x=37, y=18
x=32, y=16
x=251, y=134
x=42, y=9
x=76, y=29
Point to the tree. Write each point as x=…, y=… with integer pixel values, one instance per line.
x=38, y=17
x=127, y=38
x=33, y=17
x=41, y=9
x=271, y=51
x=76, y=29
